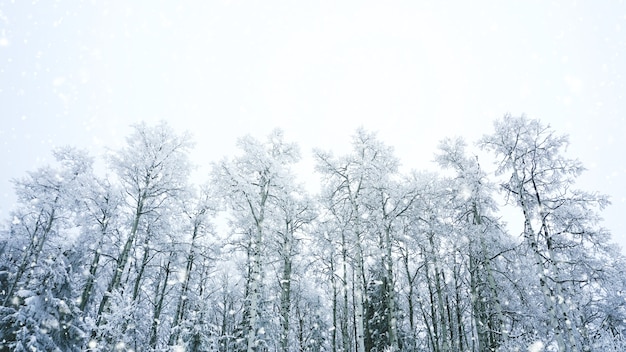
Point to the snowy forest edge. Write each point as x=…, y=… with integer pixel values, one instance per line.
x=143, y=259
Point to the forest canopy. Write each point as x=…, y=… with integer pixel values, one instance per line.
x=141, y=258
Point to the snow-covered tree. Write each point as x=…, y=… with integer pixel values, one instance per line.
x=197, y=212
x=152, y=170
x=358, y=191
x=253, y=185
x=561, y=231
x=141, y=259
x=481, y=244
x=38, y=302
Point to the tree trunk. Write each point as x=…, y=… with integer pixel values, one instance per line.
x=529, y=238
x=255, y=294
x=500, y=335
x=410, y=278
x=180, y=307
x=565, y=322
x=160, y=295
x=440, y=299
x=285, y=293
x=478, y=307
x=31, y=255
x=121, y=261
x=142, y=268
x=333, y=282
x=358, y=298
x=457, y=306
x=344, y=326
x=390, y=295
x=86, y=295
x=434, y=322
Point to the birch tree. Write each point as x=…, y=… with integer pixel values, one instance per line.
x=560, y=222
x=293, y=212
x=152, y=168
x=353, y=185
x=482, y=235
x=38, y=307
x=197, y=212
x=251, y=185
x=99, y=219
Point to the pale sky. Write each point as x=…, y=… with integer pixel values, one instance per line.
x=80, y=73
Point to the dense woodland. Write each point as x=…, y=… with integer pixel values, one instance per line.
x=139, y=258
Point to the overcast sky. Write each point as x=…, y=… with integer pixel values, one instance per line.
x=80, y=73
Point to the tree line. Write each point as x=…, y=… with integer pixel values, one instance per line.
x=139, y=258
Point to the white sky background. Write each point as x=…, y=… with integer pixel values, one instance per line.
x=80, y=73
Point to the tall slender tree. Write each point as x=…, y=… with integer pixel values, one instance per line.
x=251, y=184
x=357, y=188
x=377, y=261
x=38, y=303
x=153, y=169
x=197, y=212
x=560, y=222
x=482, y=238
